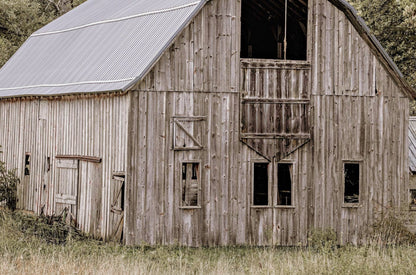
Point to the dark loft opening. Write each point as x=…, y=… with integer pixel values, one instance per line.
x=351, y=182
x=284, y=184
x=261, y=184
x=267, y=24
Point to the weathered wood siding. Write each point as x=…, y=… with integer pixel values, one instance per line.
x=225, y=215
x=205, y=56
x=90, y=126
x=201, y=103
x=342, y=104
x=360, y=114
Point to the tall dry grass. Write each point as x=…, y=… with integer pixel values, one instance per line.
x=29, y=253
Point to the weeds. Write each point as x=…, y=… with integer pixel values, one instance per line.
x=324, y=240
x=391, y=230
x=26, y=247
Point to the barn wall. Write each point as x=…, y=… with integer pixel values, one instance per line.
x=204, y=57
x=226, y=216
x=359, y=113
x=356, y=112
x=94, y=126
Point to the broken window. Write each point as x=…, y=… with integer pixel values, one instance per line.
x=412, y=198
x=27, y=164
x=261, y=184
x=284, y=184
x=274, y=29
x=351, y=182
x=190, y=184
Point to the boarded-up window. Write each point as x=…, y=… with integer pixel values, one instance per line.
x=261, y=184
x=351, y=182
x=190, y=184
x=284, y=184
x=274, y=29
x=27, y=164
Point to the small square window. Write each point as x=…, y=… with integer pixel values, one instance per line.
x=284, y=184
x=190, y=184
x=261, y=184
x=351, y=182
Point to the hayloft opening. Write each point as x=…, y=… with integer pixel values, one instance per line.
x=284, y=184
x=274, y=29
x=190, y=184
x=351, y=182
x=261, y=184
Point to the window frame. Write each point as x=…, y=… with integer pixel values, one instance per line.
x=360, y=183
x=27, y=167
x=269, y=182
x=293, y=179
x=199, y=179
x=412, y=207
x=273, y=184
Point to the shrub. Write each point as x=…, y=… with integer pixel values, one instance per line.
x=390, y=229
x=322, y=239
x=8, y=186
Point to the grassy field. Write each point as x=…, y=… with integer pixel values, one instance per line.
x=29, y=250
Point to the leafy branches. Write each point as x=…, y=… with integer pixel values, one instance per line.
x=8, y=186
x=393, y=22
x=20, y=18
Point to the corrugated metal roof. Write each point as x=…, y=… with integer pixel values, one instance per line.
x=102, y=45
x=412, y=144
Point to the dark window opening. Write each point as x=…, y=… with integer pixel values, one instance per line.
x=261, y=184
x=351, y=182
x=274, y=29
x=412, y=198
x=190, y=184
x=27, y=164
x=284, y=184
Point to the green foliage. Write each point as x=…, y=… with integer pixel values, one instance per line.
x=8, y=186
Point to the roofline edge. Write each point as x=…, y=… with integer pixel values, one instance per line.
x=165, y=47
x=363, y=30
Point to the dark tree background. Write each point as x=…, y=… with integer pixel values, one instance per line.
x=393, y=22
x=20, y=18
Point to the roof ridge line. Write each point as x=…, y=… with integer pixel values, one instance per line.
x=117, y=19
x=67, y=84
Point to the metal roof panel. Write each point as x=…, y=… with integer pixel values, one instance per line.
x=85, y=52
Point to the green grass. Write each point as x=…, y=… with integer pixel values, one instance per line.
x=29, y=252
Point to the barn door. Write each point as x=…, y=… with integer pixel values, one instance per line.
x=117, y=207
x=66, y=186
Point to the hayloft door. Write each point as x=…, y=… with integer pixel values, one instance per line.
x=66, y=186
x=117, y=207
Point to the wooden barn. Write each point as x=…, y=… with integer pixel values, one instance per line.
x=208, y=123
